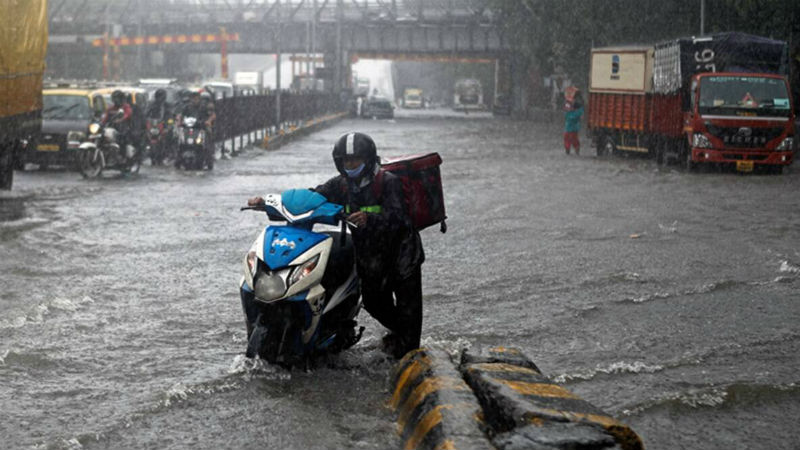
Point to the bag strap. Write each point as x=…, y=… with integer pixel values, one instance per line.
x=377, y=185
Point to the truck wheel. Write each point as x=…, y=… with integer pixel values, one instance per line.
x=607, y=147
x=686, y=158
x=6, y=167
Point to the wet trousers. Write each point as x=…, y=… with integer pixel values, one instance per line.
x=397, y=305
x=571, y=140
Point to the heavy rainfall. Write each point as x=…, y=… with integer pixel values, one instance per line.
x=604, y=190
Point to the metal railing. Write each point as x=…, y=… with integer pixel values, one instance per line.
x=239, y=116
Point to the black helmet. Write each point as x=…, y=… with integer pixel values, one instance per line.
x=358, y=145
x=160, y=95
x=118, y=97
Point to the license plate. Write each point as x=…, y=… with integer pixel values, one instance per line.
x=48, y=147
x=744, y=166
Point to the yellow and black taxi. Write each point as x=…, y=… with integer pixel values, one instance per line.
x=67, y=113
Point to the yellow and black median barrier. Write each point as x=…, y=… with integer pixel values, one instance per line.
x=282, y=136
x=435, y=408
x=496, y=399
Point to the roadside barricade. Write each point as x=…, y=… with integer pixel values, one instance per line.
x=255, y=117
x=435, y=407
x=495, y=399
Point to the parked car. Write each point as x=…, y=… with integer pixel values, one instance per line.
x=378, y=108
x=66, y=116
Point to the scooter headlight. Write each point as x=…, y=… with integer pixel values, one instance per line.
x=250, y=267
x=303, y=270
x=94, y=128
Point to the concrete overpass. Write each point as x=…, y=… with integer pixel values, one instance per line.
x=340, y=30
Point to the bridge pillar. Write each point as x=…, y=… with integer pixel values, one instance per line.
x=519, y=88
x=502, y=77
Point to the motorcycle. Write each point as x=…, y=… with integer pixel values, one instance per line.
x=300, y=292
x=160, y=140
x=102, y=151
x=193, y=153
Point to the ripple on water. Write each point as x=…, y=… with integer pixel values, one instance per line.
x=716, y=397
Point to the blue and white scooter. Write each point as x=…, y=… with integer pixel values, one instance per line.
x=300, y=292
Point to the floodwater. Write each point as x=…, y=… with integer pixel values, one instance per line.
x=668, y=299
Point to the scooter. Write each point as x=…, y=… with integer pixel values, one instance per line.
x=102, y=150
x=193, y=150
x=300, y=292
x=160, y=139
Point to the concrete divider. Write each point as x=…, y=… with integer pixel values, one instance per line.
x=283, y=136
x=435, y=408
x=525, y=409
x=495, y=398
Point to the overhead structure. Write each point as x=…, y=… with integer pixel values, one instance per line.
x=339, y=30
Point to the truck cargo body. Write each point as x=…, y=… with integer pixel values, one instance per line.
x=22, y=56
x=718, y=99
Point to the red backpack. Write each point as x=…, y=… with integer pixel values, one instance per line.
x=422, y=188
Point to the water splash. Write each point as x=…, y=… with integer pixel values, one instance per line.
x=40, y=311
x=619, y=367
x=787, y=267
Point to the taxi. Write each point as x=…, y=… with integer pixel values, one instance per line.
x=67, y=113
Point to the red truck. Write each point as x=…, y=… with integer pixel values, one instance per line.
x=720, y=99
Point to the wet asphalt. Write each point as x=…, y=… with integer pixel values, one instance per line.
x=668, y=299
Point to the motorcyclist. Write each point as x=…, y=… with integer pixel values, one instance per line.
x=389, y=252
x=204, y=113
x=138, y=122
x=160, y=110
x=121, y=122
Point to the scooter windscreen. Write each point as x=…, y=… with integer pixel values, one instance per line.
x=302, y=205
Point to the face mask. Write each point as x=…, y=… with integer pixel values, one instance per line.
x=354, y=173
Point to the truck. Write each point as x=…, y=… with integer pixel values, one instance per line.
x=247, y=83
x=412, y=98
x=467, y=95
x=22, y=64
x=722, y=98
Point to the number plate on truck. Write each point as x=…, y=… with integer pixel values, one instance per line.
x=48, y=147
x=744, y=166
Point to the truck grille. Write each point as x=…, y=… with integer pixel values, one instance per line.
x=744, y=137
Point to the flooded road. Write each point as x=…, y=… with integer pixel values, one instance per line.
x=668, y=299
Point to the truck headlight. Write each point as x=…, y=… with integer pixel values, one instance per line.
x=786, y=144
x=700, y=140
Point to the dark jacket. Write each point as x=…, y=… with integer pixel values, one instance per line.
x=388, y=245
x=159, y=111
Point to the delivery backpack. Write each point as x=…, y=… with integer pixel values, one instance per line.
x=422, y=188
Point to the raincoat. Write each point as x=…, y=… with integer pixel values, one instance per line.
x=387, y=246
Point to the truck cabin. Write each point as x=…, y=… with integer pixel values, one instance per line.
x=731, y=95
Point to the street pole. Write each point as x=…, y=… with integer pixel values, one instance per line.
x=702, y=17
x=278, y=64
x=314, y=42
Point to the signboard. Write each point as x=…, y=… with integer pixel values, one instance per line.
x=622, y=70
